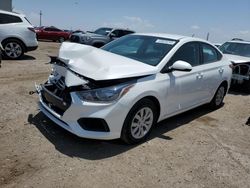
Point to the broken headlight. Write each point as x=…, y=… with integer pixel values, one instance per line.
x=106, y=95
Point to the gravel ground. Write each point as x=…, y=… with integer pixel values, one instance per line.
x=200, y=148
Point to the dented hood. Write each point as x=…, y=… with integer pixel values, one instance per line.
x=237, y=59
x=98, y=64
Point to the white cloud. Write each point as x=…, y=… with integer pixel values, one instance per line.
x=138, y=20
x=135, y=23
x=244, y=32
x=195, y=27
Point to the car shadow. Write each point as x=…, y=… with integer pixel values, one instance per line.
x=24, y=58
x=73, y=146
x=238, y=90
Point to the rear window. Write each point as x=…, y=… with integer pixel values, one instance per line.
x=7, y=19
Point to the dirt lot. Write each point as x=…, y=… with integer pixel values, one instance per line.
x=196, y=149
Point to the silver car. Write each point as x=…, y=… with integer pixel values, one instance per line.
x=100, y=37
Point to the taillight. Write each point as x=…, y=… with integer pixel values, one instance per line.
x=31, y=29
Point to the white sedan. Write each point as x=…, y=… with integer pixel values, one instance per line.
x=125, y=88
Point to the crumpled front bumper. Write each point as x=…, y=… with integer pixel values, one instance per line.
x=114, y=114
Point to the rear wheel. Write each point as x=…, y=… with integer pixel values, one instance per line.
x=139, y=122
x=217, y=101
x=13, y=49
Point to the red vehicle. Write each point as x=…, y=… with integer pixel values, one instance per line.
x=52, y=33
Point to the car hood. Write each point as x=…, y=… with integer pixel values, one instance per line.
x=98, y=64
x=237, y=59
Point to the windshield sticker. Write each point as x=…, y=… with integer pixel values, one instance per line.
x=162, y=41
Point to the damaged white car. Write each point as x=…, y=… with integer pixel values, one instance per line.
x=238, y=52
x=125, y=88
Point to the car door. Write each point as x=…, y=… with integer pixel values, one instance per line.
x=211, y=70
x=46, y=33
x=185, y=90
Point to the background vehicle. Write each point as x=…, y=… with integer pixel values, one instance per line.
x=52, y=33
x=238, y=51
x=99, y=37
x=17, y=35
x=123, y=89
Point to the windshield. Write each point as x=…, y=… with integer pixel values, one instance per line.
x=103, y=31
x=241, y=49
x=146, y=49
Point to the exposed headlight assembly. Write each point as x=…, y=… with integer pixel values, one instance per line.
x=105, y=95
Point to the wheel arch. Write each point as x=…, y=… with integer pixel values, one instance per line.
x=14, y=38
x=225, y=83
x=154, y=100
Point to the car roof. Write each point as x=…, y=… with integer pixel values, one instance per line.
x=239, y=41
x=11, y=13
x=122, y=29
x=172, y=36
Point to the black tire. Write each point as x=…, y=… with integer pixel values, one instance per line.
x=126, y=134
x=18, y=49
x=218, y=98
x=61, y=39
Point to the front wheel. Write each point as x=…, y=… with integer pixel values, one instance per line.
x=217, y=101
x=139, y=122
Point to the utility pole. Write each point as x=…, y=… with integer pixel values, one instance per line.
x=40, y=18
x=207, y=36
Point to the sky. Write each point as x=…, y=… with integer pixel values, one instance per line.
x=223, y=19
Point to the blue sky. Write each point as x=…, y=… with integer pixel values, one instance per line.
x=223, y=19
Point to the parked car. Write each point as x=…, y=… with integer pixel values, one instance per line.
x=52, y=33
x=99, y=37
x=17, y=35
x=125, y=88
x=238, y=51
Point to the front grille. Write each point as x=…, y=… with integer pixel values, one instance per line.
x=74, y=38
x=56, y=96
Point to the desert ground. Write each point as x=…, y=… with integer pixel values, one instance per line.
x=200, y=148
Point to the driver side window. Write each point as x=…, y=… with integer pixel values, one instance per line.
x=189, y=53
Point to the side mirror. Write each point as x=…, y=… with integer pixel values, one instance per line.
x=181, y=66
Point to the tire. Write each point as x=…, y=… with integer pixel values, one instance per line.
x=13, y=49
x=139, y=122
x=218, y=98
x=61, y=39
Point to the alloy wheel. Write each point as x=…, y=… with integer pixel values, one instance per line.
x=220, y=96
x=142, y=122
x=13, y=50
